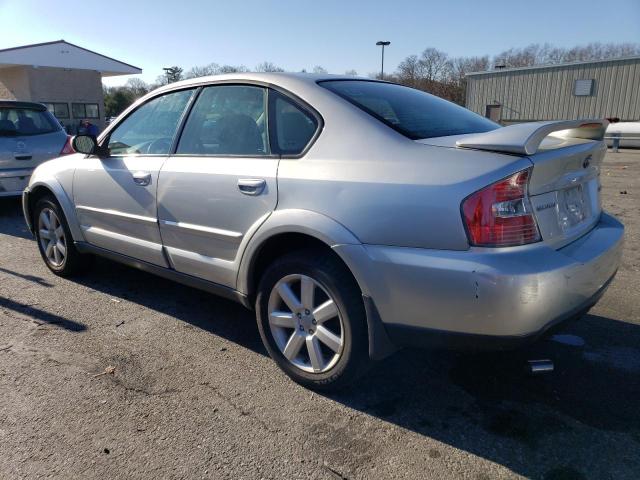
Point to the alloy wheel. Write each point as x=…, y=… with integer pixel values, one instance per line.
x=52, y=238
x=306, y=323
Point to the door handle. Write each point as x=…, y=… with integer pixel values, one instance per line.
x=251, y=186
x=23, y=157
x=142, y=178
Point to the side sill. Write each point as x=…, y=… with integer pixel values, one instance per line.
x=183, y=278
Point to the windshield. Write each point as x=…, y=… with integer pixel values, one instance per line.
x=414, y=113
x=26, y=121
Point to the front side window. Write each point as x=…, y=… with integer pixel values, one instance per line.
x=294, y=127
x=227, y=120
x=26, y=121
x=150, y=129
x=413, y=113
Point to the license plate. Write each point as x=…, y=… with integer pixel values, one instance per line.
x=574, y=210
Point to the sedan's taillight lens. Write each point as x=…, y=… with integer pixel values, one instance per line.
x=500, y=215
x=67, y=149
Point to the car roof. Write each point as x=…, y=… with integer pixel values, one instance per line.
x=18, y=104
x=287, y=80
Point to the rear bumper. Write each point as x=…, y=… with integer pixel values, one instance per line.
x=409, y=336
x=14, y=181
x=504, y=296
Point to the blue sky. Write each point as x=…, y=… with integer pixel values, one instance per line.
x=297, y=34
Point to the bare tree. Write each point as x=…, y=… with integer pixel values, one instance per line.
x=536, y=54
x=233, y=69
x=434, y=64
x=268, y=67
x=410, y=71
x=203, y=71
x=319, y=69
x=137, y=87
x=351, y=72
x=460, y=66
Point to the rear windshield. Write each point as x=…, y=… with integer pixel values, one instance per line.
x=414, y=113
x=25, y=121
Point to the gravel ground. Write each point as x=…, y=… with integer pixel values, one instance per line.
x=194, y=395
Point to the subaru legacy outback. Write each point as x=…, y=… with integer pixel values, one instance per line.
x=355, y=216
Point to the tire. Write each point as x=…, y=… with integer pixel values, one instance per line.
x=339, y=356
x=56, y=243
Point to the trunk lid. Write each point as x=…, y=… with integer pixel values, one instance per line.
x=564, y=187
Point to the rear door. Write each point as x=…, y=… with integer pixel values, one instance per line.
x=115, y=197
x=220, y=184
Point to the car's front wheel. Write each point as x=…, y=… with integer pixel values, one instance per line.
x=312, y=319
x=54, y=239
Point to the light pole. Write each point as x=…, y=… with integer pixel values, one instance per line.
x=382, y=44
x=166, y=72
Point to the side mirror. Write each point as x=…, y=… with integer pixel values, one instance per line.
x=88, y=144
x=84, y=144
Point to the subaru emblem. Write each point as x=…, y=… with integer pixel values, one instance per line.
x=586, y=162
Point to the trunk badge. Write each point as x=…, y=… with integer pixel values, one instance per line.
x=586, y=162
x=545, y=206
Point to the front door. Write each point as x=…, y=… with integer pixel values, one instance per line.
x=115, y=197
x=221, y=183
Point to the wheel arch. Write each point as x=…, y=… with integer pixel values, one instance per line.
x=40, y=189
x=304, y=229
x=284, y=231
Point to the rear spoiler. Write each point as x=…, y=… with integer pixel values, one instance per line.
x=525, y=138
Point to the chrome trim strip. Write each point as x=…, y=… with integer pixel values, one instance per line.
x=101, y=232
x=117, y=213
x=201, y=228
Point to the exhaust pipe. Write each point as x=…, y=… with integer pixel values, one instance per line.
x=538, y=367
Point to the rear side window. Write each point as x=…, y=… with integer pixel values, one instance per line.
x=25, y=121
x=227, y=120
x=294, y=126
x=414, y=113
x=150, y=129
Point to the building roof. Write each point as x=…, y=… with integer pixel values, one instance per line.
x=62, y=54
x=554, y=65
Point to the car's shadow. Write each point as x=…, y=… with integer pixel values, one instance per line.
x=539, y=427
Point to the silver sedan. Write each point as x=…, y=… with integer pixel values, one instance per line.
x=355, y=216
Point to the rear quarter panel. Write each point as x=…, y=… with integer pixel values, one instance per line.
x=383, y=187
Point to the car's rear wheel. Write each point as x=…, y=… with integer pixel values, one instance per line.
x=312, y=319
x=54, y=239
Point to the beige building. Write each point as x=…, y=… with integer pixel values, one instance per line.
x=65, y=77
x=597, y=89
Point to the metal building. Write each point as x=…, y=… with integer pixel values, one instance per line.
x=597, y=89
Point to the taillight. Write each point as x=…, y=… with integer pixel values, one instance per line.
x=67, y=149
x=500, y=215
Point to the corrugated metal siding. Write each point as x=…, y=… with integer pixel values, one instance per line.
x=547, y=93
